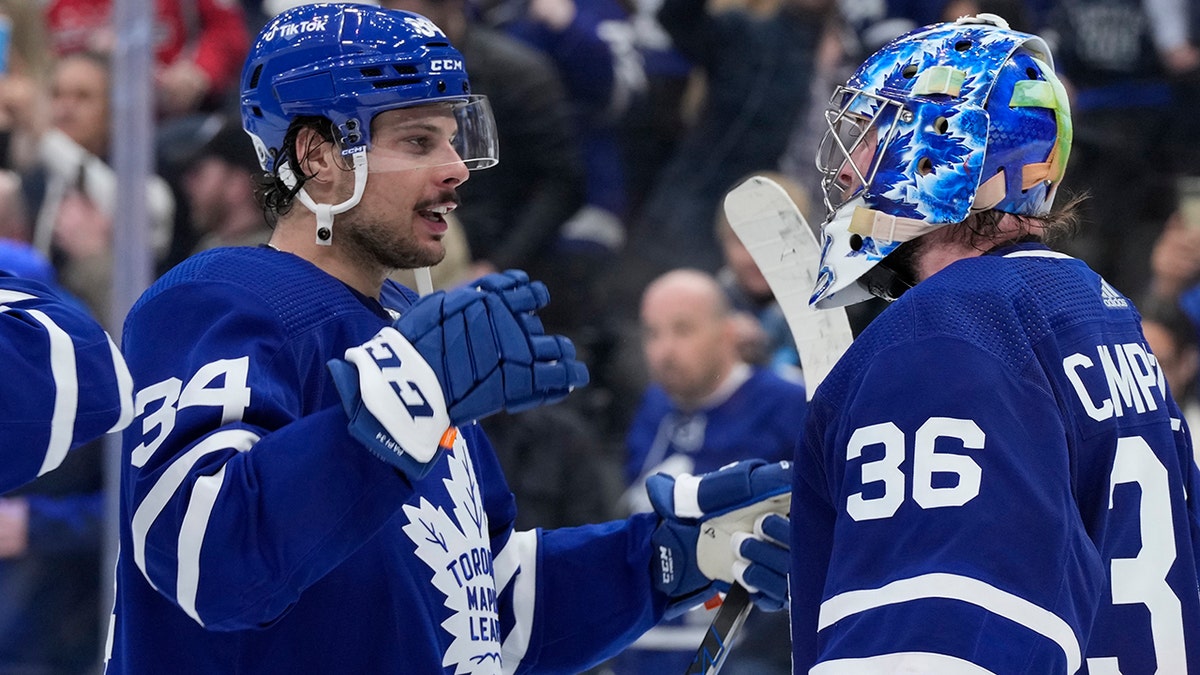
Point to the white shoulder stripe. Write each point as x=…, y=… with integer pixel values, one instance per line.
x=904, y=662
x=516, y=564
x=957, y=587
x=66, y=392
x=159, y=496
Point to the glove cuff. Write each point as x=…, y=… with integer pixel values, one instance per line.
x=395, y=405
x=673, y=565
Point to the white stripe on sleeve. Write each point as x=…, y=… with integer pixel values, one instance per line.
x=159, y=496
x=124, y=387
x=14, y=296
x=902, y=663
x=517, y=564
x=957, y=587
x=66, y=392
x=191, y=539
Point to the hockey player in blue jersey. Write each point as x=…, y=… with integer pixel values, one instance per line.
x=994, y=478
x=304, y=487
x=64, y=381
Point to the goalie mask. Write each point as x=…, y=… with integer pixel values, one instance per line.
x=348, y=63
x=945, y=121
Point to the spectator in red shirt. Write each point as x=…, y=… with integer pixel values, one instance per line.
x=199, y=46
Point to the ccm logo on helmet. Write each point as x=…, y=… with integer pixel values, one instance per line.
x=441, y=65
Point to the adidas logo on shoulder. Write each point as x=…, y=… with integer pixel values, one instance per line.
x=1112, y=299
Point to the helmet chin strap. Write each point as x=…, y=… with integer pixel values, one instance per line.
x=326, y=212
x=884, y=281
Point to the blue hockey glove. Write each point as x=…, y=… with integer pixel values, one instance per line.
x=450, y=359
x=488, y=348
x=725, y=526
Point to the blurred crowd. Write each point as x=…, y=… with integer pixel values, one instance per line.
x=622, y=125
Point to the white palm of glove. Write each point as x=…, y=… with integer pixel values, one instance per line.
x=722, y=539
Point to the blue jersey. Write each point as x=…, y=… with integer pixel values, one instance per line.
x=994, y=478
x=258, y=537
x=758, y=419
x=64, y=381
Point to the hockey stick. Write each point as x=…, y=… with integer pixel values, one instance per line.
x=785, y=249
x=714, y=649
x=787, y=252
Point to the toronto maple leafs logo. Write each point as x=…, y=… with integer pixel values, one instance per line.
x=457, y=550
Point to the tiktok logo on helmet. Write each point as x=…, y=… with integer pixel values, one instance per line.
x=291, y=30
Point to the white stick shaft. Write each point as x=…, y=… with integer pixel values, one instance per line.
x=424, y=281
x=785, y=249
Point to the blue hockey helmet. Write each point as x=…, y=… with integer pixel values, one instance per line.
x=349, y=62
x=963, y=117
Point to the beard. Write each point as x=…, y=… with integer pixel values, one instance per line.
x=376, y=239
x=388, y=246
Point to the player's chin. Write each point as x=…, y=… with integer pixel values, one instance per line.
x=430, y=252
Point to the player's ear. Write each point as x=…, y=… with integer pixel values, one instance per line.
x=317, y=157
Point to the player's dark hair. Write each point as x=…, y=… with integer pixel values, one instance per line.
x=983, y=228
x=274, y=195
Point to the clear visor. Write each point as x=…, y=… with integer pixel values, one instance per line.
x=859, y=127
x=437, y=134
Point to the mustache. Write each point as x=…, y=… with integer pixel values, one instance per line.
x=443, y=197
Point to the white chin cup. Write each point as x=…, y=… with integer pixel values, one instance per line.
x=841, y=265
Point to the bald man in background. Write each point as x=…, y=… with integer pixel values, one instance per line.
x=705, y=407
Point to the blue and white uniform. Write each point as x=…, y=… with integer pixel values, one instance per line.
x=994, y=479
x=64, y=381
x=257, y=536
x=754, y=414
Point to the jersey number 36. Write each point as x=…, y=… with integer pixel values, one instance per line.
x=926, y=463
x=1137, y=580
